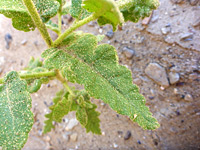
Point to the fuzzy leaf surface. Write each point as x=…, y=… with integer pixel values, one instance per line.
x=35, y=66
x=60, y=108
x=16, y=118
x=96, y=67
x=77, y=11
x=21, y=20
x=87, y=115
x=133, y=10
x=106, y=10
x=52, y=26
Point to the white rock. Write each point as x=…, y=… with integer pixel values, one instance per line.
x=115, y=145
x=47, y=138
x=72, y=123
x=2, y=60
x=24, y=42
x=158, y=74
x=174, y=77
x=188, y=97
x=74, y=137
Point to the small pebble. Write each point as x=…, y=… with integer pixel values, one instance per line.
x=157, y=73
x=115, y=145
x=188, y=97
x=176, y=91
x=24, y=42
x=162, y=88
x=65, y=120
x=139, y=142
x=47, y=138
x=186, y=36
x=91, y=24
x=176, y=1
x=100, y=30
x=196, y=22
x=35, y=43
x=128, y=135
x=72, y=123
x=110, y=34
x=194, y=76
x=137, y=81
x=151, y=97
x=193, y=2
x=174, y=77
x=1, y=70
x=74, y=137
x=8, y=39
x=103, y=133
x=165, y=30
x=128, y=52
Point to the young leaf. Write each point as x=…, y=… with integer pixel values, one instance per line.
x=35, y=66
x=133, y=10
x=21, y=19
x=81, y=116
x=52, y=26
x=61, y=107
x=106, y=10
x=86, y=114
x=77, y=11
x=93, y=123
x=96, y=67
x=33, y=63
x=16, y=118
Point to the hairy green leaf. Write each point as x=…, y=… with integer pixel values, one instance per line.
x=106, y=10
x=81, y=116
x=16, y=118
x=21, y=19
x=96, y=67
x=33, y=63
x=93, y=123
x=77, y=11
x=133, y=10
x=60, y=108
x=35, y=66
x=52, y=26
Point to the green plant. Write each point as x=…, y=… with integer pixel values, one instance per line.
x=73, y=57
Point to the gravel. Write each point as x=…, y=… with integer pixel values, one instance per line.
x=128, y=135
x=157, y=73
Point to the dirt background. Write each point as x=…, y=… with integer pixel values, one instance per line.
x=163, y=53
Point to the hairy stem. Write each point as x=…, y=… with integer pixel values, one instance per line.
x=60, y=19
x=38, y=22
x=34, y=75
x=64, y=82
x=72, y=28
x=59, y=24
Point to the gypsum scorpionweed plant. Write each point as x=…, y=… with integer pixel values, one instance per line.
x=73, y=57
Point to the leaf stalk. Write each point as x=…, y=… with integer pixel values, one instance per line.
x=64, y=82
x=38, y=22
x=34, y=75
x=75, y=26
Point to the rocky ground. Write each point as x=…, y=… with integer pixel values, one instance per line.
x=162, y=51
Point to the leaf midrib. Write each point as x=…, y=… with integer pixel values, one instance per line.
x=71, y=53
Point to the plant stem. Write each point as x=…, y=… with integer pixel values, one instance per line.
x=60, y=19
x=34, y=75
x=59, y=24
x=38, y=22
x=72, y=28
x=64, y=82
